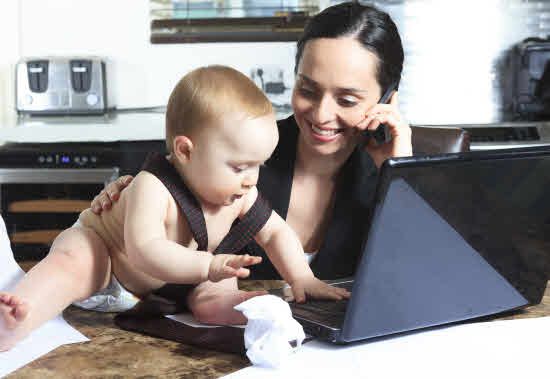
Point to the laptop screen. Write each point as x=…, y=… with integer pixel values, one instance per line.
x=452, y=237
x=498, y=202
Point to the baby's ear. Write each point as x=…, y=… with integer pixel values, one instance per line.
x=182, y=147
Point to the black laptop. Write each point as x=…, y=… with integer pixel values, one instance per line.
x=452, y=237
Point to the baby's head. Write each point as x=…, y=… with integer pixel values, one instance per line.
x=220, y=127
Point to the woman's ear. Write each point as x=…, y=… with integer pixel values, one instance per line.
x=182, y=147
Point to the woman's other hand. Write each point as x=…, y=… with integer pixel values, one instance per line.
x=110, y=194
x=400, y=144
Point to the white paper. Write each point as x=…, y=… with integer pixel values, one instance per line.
x=188, y=319
x=51, y=335
x=269, y=330
x=496, y=349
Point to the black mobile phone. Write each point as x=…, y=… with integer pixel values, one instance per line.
x=382, y=134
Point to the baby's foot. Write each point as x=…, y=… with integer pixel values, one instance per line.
x=13, y=311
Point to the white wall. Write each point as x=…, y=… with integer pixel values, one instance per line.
x=119, y=30
x=9, y=45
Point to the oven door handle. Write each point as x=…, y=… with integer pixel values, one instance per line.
x=58, y=175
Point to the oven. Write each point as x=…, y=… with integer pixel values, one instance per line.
x=44, y=187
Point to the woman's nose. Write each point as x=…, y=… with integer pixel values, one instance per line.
x=324, y=110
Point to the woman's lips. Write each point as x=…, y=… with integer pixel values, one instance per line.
x=324, y=134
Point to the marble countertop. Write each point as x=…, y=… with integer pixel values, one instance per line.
x=116, y=353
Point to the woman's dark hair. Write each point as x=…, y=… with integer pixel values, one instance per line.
x=373, y=28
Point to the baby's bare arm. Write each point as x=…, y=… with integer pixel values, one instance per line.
x=285, y=251
x=280, y=243
x=146, y=241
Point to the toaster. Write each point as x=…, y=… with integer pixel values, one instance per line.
x=62, y=85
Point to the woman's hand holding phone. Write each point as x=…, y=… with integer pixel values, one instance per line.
x=386, y=115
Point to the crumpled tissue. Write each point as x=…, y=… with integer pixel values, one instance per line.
x=269, y=330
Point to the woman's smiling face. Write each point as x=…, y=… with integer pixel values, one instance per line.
x=335, y=86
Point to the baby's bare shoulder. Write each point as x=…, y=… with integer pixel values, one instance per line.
x=147, y=196
x=147, y=184
x=145, y=177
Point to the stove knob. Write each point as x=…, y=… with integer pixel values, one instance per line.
x=41, y=159
x=28, y=99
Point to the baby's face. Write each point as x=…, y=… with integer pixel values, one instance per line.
x=227, y=157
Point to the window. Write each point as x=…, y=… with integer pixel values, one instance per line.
x=187, y=21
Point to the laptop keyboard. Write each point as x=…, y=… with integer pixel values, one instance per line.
x=326, y=312
x=331, y=315
x=328, y=306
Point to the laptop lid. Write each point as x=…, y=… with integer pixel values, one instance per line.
x=453, y=237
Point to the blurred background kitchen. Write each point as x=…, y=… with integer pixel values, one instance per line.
x=457, y=52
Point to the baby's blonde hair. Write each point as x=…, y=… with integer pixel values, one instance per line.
x=206, y=94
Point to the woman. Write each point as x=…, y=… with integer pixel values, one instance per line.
x=321, y=177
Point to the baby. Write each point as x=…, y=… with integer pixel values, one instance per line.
x=178, y=210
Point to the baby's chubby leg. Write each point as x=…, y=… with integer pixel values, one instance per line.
x=77, y=266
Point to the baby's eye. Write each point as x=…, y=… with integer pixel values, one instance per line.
x=238, y=169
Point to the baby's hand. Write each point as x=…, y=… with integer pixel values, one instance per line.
x=224, y=266
x=317, y=289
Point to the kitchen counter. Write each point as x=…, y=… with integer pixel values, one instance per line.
x=109, y=128
x=112, y=127
x=505, y=135
x=116, y=353
x=148, y=126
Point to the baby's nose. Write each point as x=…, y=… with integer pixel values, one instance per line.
x=250, y=180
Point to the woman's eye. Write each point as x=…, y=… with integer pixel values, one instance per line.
x=344, y=102
x=306, y=92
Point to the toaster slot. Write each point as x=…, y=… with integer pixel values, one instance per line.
x=81, y=75
x=38, y=75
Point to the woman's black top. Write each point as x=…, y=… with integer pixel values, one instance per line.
x=342, y=243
